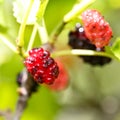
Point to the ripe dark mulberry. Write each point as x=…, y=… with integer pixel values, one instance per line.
x=97, y=30
x=41, y=66
x=79, y=40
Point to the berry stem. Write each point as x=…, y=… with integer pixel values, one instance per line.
x=56, y=32
x=74, y=13
x=43, y=32
x=8, y=43
x=32, y=38
x=41, y=10
x=20, y=41
x=77, y=9
x=82, y=52
x=41, y=23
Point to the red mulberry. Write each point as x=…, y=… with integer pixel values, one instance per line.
x=96, y=28
x=41, y=66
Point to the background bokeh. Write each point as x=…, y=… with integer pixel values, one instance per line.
x=93, y=93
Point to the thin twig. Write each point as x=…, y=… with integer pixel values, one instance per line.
x=26, y=87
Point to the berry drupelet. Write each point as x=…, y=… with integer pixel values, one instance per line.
x=79, y=40
x=97, y=30
x=41, y=66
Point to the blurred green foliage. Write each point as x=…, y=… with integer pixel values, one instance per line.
x=88, y=85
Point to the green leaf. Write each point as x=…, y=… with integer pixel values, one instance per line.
x=19, y=8
x=8, y=25
x=3, y=29
x=116, y=48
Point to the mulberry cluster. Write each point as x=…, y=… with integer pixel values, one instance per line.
x=79, y=40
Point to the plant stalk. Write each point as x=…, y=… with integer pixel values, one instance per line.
x=20, y=41
x=81, y=52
